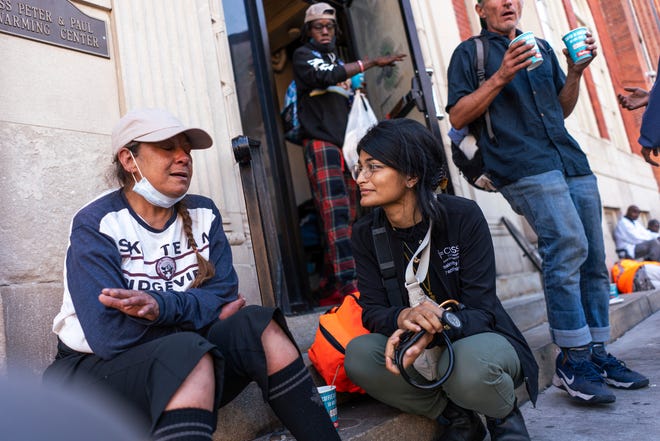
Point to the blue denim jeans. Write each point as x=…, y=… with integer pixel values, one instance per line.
x=566, y=214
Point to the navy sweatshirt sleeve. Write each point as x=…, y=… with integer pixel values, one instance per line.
x=104, y=253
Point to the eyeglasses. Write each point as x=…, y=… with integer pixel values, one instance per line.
x=320, y=26
x=366, y=171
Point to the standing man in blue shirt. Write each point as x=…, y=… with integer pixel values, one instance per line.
x=545, y=176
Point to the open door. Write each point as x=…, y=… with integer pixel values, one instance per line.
x=263, y=35
x=379, y=27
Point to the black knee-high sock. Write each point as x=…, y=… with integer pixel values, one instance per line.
x=185, y=425
x=295, y=400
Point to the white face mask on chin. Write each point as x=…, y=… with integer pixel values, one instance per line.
x=144, y=188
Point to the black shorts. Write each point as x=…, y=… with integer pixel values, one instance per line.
x=148, y=375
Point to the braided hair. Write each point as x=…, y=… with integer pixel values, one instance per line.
x=205, y=270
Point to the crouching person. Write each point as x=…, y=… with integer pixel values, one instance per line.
x=151, y=309
x=399, y=169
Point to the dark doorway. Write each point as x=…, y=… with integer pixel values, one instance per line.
x=263, y=35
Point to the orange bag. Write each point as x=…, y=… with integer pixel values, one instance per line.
x=624, y=271
x=337, y=328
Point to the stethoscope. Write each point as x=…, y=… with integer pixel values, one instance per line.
x=409, y=338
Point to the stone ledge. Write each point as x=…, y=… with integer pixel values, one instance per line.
x=3, y=341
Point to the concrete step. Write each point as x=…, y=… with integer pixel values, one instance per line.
x=527, y=311
x=364, y=419
x=304, y=326
x=519, y=284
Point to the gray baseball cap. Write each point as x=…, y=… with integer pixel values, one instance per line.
x=154, y=125
x=320, y=11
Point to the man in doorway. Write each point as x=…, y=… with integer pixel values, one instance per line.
x=545, y=176
x=323, y=106
x=638, y=242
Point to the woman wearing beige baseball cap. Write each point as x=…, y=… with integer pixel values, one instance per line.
x=151, y=307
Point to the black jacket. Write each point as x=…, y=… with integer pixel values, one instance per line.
x=462, y=267
x=324, y=115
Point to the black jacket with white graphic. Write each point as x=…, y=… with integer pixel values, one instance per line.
x=323, y=114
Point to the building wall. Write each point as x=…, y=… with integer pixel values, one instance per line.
x=58, y=109
x=630, y=43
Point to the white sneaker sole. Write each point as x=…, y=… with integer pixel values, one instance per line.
x=579, y=396
x=630, y=385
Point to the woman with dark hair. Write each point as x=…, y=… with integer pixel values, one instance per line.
x=151, y=309
x=399, y=171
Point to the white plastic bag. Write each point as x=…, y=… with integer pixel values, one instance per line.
x=360, y=119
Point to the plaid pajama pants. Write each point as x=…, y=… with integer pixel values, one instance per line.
x=334, y=192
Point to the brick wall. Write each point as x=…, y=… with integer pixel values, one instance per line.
x=648, y=15
x=588, y=79
x=621, y=43
x=461, y=11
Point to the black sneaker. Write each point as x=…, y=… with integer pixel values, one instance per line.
x=616, y=374
x=582, y=380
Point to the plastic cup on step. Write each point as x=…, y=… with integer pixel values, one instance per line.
x=614, y=291
x=577, y=46
x=614, y=294
x=329, y=397
x=536, y=56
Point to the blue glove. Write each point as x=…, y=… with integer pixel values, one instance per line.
x=357, y=81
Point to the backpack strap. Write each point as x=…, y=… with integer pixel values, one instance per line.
x=481, y=44
x=385, y=259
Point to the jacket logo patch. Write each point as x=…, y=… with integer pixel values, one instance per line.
x=450, y=257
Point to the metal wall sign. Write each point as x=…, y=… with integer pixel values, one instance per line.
x=56, y=22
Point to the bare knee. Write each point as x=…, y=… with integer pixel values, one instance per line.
x=198, y=389
x=279, y=349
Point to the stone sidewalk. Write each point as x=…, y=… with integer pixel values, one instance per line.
x=635, y=416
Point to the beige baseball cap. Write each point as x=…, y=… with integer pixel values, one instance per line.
x=154, y=125
x=320, y=11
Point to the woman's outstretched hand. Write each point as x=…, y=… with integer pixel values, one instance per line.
x=130, y=302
